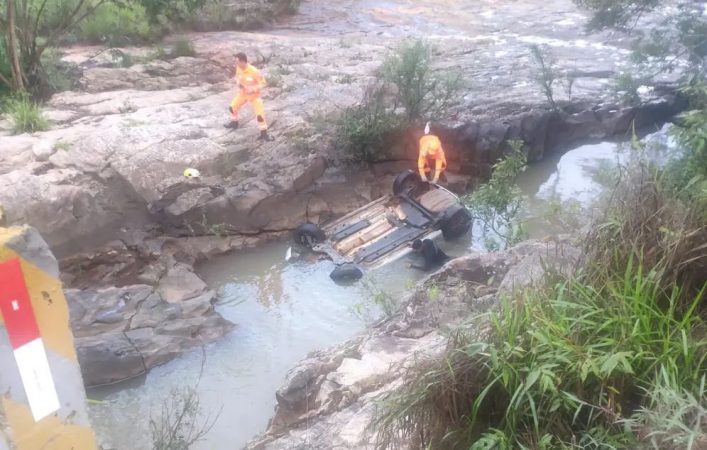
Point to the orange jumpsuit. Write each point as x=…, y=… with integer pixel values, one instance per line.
x=250, y=82
x=431, y=148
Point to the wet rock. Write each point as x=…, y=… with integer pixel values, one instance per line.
x=160, y=320
x=108, y=358
x=116, y=328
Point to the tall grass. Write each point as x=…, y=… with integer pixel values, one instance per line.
x=25, y=115
x=570, y=362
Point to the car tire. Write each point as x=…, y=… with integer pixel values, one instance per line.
x=406, y=181
x=346, y=273
x=455, y=222
x=308, y=234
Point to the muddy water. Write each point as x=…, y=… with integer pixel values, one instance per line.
x=283, y=311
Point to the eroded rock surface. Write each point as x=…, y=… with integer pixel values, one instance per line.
x=328, y=400
x=114, y=157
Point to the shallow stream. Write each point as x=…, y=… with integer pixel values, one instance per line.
x=284, y=311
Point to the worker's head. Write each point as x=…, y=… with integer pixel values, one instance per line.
x=242, y=60
x=416, y=245
x=427, y=128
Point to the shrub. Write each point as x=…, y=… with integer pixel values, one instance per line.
x=422, y=93
x=117, y=26
x=25, y=115
x=687, y=170
x=57, y=75
x=406, y=90
x=180, y=424
x=546, y=74
x=183, y=47
x=362, y=131
x=496, y=204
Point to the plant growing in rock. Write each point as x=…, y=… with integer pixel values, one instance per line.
x=407, y=90
x=378, y=301
x=421, y=93
x=546, y=73
x=362, y=130
x=183, y=47
x=496, y=205
x=25, y=115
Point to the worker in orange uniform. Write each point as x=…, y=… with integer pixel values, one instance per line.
x=250, y=83
x=431, y=149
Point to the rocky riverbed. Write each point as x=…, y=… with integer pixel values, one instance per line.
x=105, y=188
x=329, y=399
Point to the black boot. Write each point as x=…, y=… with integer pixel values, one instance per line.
x=233, y=124
x=264, y=136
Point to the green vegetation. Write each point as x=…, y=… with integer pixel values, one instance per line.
x=496, y=204
x=30, y=28
x=687, y=171
x=364, y=130
x=421, y=93
x=613, y=355
x=546, y=73
x=378, y=302
x=183, y=47
x=407, y=91
x=25, y=114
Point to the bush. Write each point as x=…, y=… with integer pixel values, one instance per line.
x=25, y=115
x=362, y=131
x=420, y=92
x=406, y=90
x=546, y=74
x=117, y=26
x=182, y=47
x=496, y=205
x=687, y=170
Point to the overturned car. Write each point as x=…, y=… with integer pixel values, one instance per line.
x=381, y=231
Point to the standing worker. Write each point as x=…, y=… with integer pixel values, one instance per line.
x=431, y=149
x=250, y=83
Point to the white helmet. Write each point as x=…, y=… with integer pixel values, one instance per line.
x=191, y=173
x=427, y=128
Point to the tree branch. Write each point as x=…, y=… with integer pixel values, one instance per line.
x=67, y=26
x=5, y=81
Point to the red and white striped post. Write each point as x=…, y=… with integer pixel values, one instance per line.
x=26, y=341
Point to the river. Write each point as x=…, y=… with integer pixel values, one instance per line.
x=284, y=311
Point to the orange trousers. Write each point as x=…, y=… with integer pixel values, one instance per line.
x=256, y=102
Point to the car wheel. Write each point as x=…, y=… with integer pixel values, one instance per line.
x=346, y=273
x=406, y=181
x=456, y=222
x=308, y=234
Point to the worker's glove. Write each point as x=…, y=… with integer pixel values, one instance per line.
x=424, y=179
x=435, y=180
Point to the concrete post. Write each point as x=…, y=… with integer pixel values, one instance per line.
x=42, y=398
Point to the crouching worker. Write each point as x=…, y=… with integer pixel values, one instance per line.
x=250, y=83
x=433, y=256
x=431, y=150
